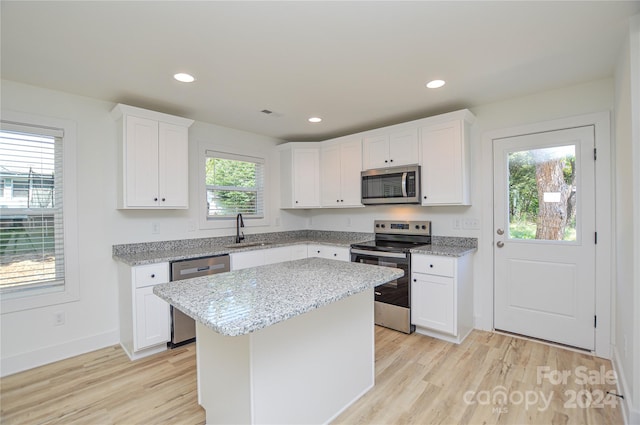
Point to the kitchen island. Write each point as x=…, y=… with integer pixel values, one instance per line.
x=290, y=342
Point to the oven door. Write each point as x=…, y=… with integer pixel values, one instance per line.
x=395, y=292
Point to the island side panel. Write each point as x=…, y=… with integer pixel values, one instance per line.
x=224, y=384
x=310, y=368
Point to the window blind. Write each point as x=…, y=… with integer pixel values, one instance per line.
x=31, y=210
x=235, y=185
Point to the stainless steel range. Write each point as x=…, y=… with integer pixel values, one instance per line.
x=391, y=248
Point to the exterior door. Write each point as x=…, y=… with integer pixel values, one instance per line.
x=544, y=224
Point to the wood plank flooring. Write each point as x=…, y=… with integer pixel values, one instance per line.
x=419, y=380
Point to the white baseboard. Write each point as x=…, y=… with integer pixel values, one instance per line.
x=25, y=361
x=630, y=413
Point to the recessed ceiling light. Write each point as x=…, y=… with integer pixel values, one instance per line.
x=184, y=78
x=315, y=119
x=435, y=84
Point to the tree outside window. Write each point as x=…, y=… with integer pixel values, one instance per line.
x=234, y=186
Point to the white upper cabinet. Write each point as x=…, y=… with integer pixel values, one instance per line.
x=300, y=175
x=392, y=149
x=154, y=167
x=445, y=162
x=340, y=166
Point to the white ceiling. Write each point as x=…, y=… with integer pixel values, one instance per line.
x=359, y=65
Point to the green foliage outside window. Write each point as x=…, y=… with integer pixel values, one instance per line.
x=232, y=187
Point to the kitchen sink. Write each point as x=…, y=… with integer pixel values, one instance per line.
x=247, y=245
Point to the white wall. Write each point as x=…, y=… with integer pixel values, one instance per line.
x=29, y=337
x=627, y=220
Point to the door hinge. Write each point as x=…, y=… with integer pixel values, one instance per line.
x=595, y=321
x=595, y=238
x=595, y=154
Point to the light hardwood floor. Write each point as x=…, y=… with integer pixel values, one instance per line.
x=419, y=380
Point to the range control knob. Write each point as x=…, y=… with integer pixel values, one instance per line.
x=417, y=227
x=383, y=226
x=424, y=227
x=377, y=225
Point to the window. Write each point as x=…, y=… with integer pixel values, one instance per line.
x=38, y=225
x=234, y=184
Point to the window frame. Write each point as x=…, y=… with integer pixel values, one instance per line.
x=228, y=152
x=30, y=299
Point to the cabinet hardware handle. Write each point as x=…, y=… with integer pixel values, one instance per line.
x=163, y=199
x=385, y=161
x=425, y=197
x=155, y=199
x=341, y=200
x=431, y=265
x=318, y=252
x=335, y=255
x=500, y=244
x=337, y=200
x=391, y=160
x=152, y=276
x=415, y=280
x=296, y=202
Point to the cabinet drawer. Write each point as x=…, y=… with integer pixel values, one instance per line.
x=432, y=264
x=151, y=274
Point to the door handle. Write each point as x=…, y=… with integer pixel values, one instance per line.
x=500, y=244
x=500, y=232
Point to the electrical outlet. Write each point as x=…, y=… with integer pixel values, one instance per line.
x=471, y=223
x=456, y=224
x=59, y=318
x=155, y=228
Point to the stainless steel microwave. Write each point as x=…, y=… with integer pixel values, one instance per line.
x=396, y=185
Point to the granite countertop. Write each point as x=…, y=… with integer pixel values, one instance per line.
x=243, y=301
x=444, y=250
x=157, y=252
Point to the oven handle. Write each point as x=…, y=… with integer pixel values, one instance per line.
x=378, y=253
x=404, y=184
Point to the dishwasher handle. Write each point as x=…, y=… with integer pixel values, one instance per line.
x=187, y=269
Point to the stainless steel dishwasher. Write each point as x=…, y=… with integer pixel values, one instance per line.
x=183, y=327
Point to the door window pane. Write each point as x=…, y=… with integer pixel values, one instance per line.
x=542, y=194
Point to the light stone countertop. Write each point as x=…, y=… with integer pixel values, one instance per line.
x=444, y=250
x=243, y=301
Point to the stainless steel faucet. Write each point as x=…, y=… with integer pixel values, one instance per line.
x=239, y=224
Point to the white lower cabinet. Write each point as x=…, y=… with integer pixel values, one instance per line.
x=145, y=326
x=442, y=296
x=330, y=252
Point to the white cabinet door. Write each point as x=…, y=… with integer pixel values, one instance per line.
x=330, y=166
x=173, y=181
x=298, y=252
x=375, y=152
x=329, y=252
x=306, y=177
x=350, y=168
x=403, y=148
x=445, y=174
x=340, y=164
x=433, y=302
x=141, y=162
x=244, y=260
x=277, y=255
x=151, y=319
